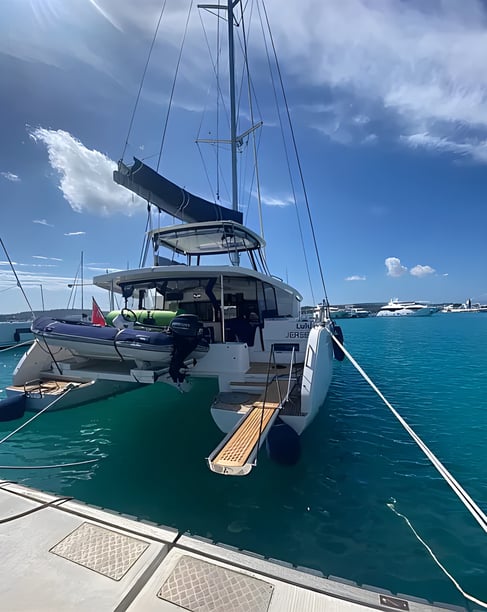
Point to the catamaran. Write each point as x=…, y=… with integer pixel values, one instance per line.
x=208, y=316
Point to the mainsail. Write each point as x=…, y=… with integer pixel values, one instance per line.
x=169, y=197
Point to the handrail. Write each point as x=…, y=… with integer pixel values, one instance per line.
x=292, y=364
x=272, y=357
x=38, y=382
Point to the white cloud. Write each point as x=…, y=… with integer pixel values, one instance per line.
x=34, y=279
x=10, y=176
x=40, y=265
x=46, y=258
x=369, y=139
x=7, y=263
x=421, y=271
x=475, y=148
x=75, y=234
x=394, y=267
x=417, y=65
x=98, y=270
x=86, y=179
x=422, y=63
x=356, y=277
x=42, y=222
x=276, y=201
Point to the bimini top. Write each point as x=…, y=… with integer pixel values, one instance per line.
x=210, y=238
x=169, y=197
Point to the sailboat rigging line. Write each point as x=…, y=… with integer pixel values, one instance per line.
x=464, y=497
x=217, y=105
x=51, y=354
x=174, y=86
x=219, y=97
x=163, y=7
x=74, y=288
x=267, y=383
x=184, y=203
x=19, y=285
x=291, y=129
x=263, y=263
x=47, y=467
x=252, y=123
x=36, y=415
x=286, y=154
x=215, y=196
x=145, y=245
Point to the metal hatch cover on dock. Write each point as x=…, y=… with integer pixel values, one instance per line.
x=236, y=454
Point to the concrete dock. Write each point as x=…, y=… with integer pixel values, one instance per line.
x=61, y=554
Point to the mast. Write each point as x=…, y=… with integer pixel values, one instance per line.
x=233, y=110
x=234, y=256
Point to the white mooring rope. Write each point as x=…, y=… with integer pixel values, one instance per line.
x=15, y=346
x=464, y=497
x=36, y=415
x=435, y=558
x=41, y=467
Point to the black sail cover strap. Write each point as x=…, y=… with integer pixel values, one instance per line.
x=169, y=197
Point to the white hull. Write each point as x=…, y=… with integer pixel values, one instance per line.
x=85, y=393
x=316, y=378
x=14, y=332
x=407, y=312
x=317, y=373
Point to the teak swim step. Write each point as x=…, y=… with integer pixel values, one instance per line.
x=236, y=453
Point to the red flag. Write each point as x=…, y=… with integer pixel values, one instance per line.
x=96, y=314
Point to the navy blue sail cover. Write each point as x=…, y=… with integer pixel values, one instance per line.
x=168, y=197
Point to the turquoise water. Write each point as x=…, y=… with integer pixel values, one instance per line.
x=328, y=512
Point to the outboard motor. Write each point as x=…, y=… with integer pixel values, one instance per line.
x=187, y=332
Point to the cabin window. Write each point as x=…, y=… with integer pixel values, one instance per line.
x=269, y=305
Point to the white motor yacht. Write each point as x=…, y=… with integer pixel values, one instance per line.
x=465, y=307
x=395, y=308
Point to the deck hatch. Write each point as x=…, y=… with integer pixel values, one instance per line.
x=102, y=550
x=202, y=587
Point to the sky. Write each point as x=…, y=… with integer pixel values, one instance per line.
x=388, y=101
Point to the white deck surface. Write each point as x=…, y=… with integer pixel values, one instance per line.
x=70, y=556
